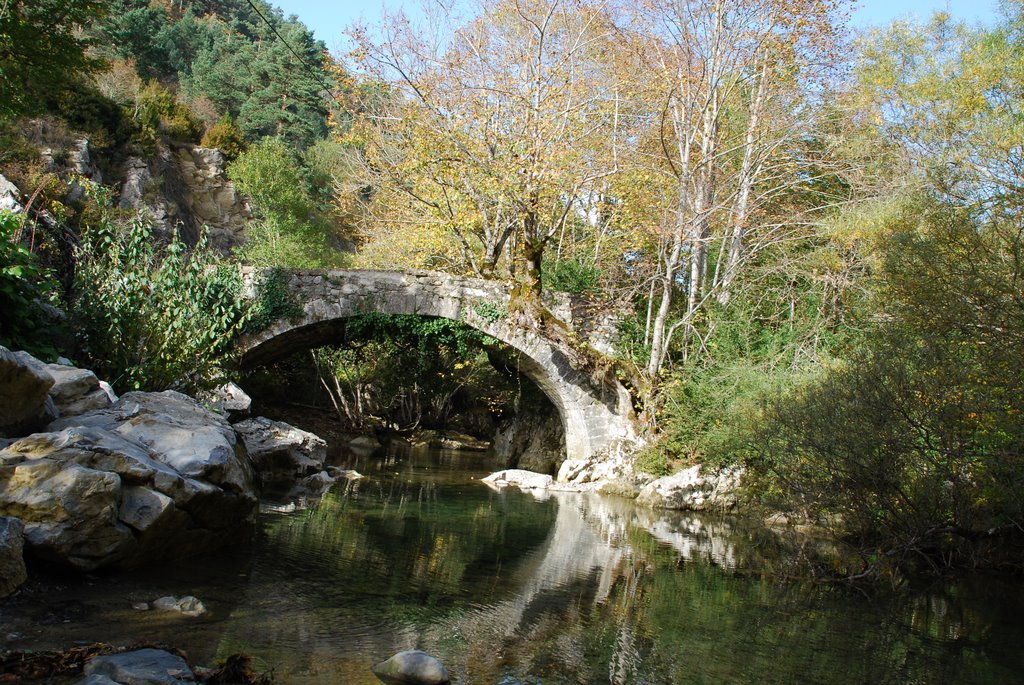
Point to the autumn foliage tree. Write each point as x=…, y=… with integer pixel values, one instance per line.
x=495, y=129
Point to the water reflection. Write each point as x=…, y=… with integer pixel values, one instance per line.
x=511, y=587
x=514, y=587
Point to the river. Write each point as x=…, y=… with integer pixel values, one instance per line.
x=510, y=587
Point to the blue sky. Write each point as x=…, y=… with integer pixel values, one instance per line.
x=329, y=19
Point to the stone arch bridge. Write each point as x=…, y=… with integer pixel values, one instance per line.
x=596, y=415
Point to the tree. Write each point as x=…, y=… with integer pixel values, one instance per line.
x=250, y=73
x=727, y=86
x=496, y=128
x=40, y=50
x=290, y=231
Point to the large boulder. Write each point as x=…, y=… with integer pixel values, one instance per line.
x=12, y=564
x=178, y=432
x=691, y=489
x=75, y=391
x=412, y=667
x=282, y=452
x=24, y=394
x=153, y=476
x=141, y=667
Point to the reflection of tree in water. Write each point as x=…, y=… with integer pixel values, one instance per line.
x=582, y=588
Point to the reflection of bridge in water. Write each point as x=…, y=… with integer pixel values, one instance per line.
x=590, y=539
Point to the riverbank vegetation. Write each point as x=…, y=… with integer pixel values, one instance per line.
x=815, y=234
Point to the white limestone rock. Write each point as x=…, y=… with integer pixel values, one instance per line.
x=187, y=605
x=177, y=432
x=690, y=489
x=151, y=477
x=526, y=480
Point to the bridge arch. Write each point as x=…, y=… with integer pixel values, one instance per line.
x=594, y=415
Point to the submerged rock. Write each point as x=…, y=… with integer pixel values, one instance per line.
x=12, y=563
x=693, y=490
x=412, y=667
x=187, y=605
x=141, y=667
x=364, y=444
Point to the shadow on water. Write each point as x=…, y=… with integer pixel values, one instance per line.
x=509, y=587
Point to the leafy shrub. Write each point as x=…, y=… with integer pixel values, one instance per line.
x=273, y=301
x=158, y=113
x=291, y=233
x=916, y=444
x=26, y=323
x=154, y=317
x=226, y=137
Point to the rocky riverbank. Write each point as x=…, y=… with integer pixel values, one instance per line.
x=693, y=489
x=89, y=480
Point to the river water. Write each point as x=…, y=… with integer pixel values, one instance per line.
x=509, y=587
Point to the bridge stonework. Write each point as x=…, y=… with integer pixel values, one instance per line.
x=596, y=416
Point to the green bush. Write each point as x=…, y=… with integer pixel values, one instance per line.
x=154, y=317
x=290, y=233
x=226, y=137
x=158, y=113
x=915, y=446
x=26, y=323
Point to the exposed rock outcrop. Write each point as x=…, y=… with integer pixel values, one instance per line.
x=229, y=400
x=690, y=489
x=281, y=452
x=185, y=187
x=531, y=440
x=614, y=465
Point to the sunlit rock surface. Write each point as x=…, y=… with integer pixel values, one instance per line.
x=693, y=490
x=152, y=476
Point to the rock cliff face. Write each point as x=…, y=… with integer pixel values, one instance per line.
x=186, y=187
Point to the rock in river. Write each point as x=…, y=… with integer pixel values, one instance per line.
x=412, y=667
x=693, y=490
x=280, y=451
x=153, y=476
x=141, y=667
